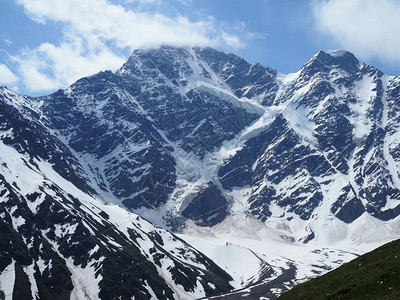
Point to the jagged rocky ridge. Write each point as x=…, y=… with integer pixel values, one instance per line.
x=180, y=133
x=333, y=143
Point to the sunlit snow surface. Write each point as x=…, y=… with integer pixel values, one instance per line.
x=255, y=254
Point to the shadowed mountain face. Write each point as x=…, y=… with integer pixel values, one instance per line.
x=333, y=144
x=187, y=133
x=326, y=134
x=125, y=127
x=172, y=121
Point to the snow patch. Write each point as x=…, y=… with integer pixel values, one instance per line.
x=336, y=53
x=7, y=280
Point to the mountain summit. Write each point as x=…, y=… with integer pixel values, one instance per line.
x=180, y=134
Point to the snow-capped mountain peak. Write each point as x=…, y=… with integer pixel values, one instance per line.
x=229, y=153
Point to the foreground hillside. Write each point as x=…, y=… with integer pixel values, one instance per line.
x=375, y=275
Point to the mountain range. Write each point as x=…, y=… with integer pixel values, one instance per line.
x=192, y=173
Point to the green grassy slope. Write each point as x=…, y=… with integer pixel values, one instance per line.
x=375, y=275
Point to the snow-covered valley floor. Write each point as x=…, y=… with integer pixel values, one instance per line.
x=263, y=261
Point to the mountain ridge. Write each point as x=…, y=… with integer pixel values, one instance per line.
x=198, y=138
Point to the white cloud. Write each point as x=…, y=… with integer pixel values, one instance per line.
x=232, y=40
x=98, y=19
x=49, y=67
x=143, y=1
x=6, y=76
x=8, y=42
x=96, y=32
x=369, y=28
x=185, y=2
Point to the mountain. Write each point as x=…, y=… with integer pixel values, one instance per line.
x=168, y=117
x=129, y=129
x=59, y=239
x=374, y=275
x=296, y=173
x=328, y=152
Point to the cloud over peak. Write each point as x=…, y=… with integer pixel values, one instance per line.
x=369, y=28
x=97, y=35
x=6, y=76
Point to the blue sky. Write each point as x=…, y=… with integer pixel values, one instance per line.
x=49, y=44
